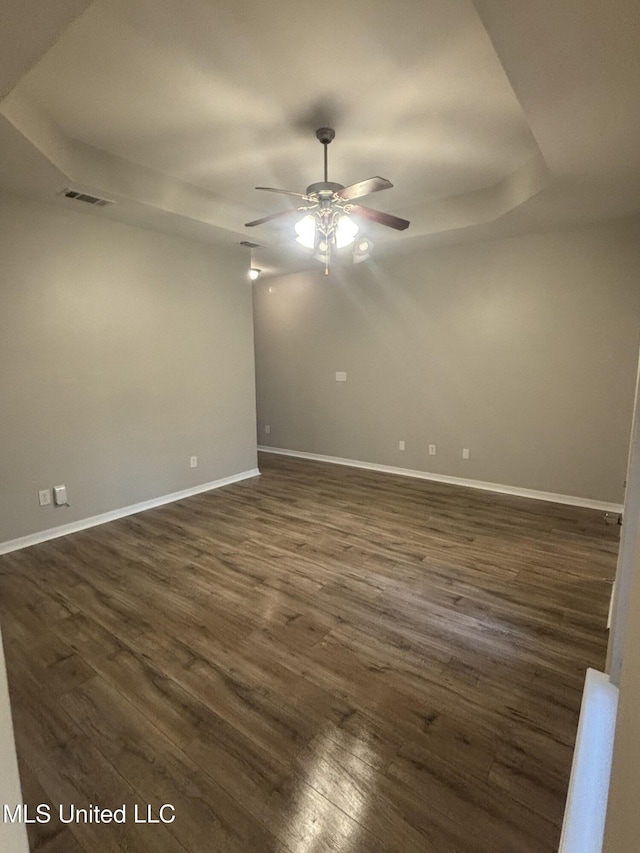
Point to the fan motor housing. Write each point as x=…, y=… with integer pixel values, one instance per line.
x=324, y=189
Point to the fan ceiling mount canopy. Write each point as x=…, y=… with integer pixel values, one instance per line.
x=328, y=207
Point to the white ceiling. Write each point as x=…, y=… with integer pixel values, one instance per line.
x=493, y=117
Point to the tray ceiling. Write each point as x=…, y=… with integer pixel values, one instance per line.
x=177, y=109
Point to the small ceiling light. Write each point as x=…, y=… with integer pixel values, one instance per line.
x=254, y=272
x=346, y=231
x=362, y=250
x=306, y=231
x=323, y=252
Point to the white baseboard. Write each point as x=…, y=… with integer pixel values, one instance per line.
x=113, y=515
x=570, y=500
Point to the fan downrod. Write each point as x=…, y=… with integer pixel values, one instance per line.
x=325, y=135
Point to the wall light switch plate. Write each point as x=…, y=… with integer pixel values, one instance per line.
x=267, y=429
x=59, y=495
x=401, y=445
x=193, y=461
x=465, y=452
x=341, y=376
x=432, y=450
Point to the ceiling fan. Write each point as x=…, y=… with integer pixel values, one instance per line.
x=328, y=207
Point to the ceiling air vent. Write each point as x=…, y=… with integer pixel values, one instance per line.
x=89, y=199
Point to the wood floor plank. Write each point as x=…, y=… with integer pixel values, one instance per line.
x=206, y=816
x=321, y=658
x=50, y=837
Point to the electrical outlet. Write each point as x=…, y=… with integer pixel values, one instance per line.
x=267, y=429
x=44, y=497
x=401, y=445
x=193, y=461
x=465, y=452
x=432, y=450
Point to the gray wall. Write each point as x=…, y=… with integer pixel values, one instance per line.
x=622, y=828
x=523, y=350
x=122, y=353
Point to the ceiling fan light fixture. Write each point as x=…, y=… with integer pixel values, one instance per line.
x=346, y=231
x=362, y=250
x=306, y=231
x=328, y=224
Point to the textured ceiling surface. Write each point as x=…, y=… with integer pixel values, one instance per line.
x=490, y=117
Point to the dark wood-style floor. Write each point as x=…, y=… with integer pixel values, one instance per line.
x=319, y=659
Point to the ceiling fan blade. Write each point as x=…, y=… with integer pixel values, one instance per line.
x=371, y=185
x=380, y=217
x=270, y=217
x=282, y=192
